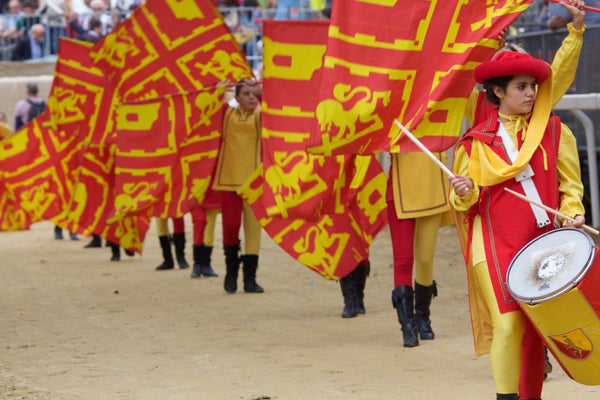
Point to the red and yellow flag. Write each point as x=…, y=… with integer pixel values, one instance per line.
x=333, y=244
x=38, y=167
x=297, y=184
x=409, y=60
x=166, y=152
x=83, y=101
x=322, y=210
x=168, y=47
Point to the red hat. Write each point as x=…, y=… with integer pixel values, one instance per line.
x=509, y=63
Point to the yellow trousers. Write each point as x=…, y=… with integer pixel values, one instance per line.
x=508, y=329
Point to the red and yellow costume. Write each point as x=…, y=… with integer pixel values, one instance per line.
x=239, y=156
x=495, y=226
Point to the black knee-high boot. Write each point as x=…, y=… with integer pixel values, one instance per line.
x=179, y=243
x=361, y=280
x=165, y=245
x=423, y=296
x=402, y=299
x=232, y=263
x=507, y=396
x=116, y=252
x=250, y=263
x=349, y=286
x=95, y=242
x=202, y=255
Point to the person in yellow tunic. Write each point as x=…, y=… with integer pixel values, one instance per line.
x=418, y=203
x=239, y=156
x=523, y=147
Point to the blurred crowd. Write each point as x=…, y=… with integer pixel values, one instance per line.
x=29, y=29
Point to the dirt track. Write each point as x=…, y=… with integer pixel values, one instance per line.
x=74, y=325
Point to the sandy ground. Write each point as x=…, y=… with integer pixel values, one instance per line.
x=74, y=325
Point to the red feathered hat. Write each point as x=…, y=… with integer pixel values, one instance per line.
x=511, y=63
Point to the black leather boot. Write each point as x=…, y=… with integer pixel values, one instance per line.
x=423, y=296
x=402, y=299
x=232, y=263
x=206, y=267
x=165, y=245
x=507, y=396
x=202, y=266
x=250, y=263
x=179, y=243
x=95, y=242
x=349, y=286
x=116, y=252
x=361, y=280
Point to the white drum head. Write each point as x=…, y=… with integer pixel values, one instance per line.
x=550, y=265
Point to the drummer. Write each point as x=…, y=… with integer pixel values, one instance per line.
x=528, y=150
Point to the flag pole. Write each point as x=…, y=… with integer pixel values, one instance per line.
x=424, y=149
x=550, y=210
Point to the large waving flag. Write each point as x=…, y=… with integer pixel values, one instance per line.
x=38, y=165
x=83, y=101
x=163, y=61
x=410, y=60
x=322, y=210
x=297, y=184
x=167, y=47
x=168, y=148
x=333, y=244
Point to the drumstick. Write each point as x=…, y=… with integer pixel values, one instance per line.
x=424, y=149
x=550, y=210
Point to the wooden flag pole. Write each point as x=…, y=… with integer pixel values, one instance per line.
x=424, y=149
x=550, y=210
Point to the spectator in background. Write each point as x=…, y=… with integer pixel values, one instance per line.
x=81, y=7
x=124, y=4
x=53, y=18
x=94, y=33
x=99, y=12
x=29, y=18
x=289, y=9
x=80, y=15
x=117, y=15
x=10, y=30
x=326, y=11
x=30, y=46
x=23, y=107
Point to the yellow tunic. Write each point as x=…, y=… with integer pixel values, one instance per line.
x=420, y=186
x=240, y=152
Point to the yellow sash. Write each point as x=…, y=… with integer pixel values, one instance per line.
x=487, y=168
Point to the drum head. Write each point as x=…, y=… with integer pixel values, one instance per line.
x=550, y=265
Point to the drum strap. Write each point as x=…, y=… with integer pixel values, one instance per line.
x=524, y=178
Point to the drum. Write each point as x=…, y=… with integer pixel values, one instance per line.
x=556, y=280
